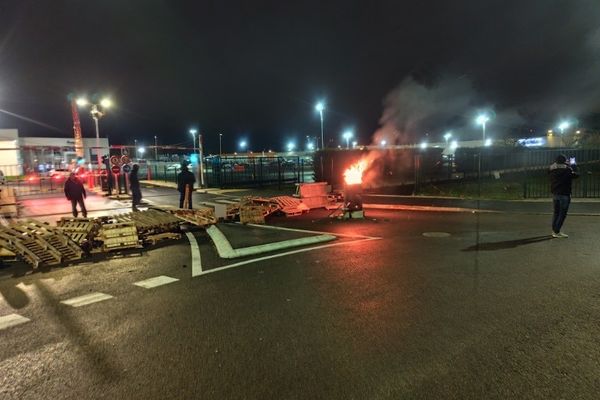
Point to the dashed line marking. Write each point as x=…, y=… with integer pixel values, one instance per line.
x=87, y=299
x=11, y=320
x=196, y=260
x=156, y=281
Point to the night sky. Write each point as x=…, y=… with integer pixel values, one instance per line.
x=254, y=69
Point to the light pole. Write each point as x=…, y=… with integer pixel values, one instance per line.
x=320, y=107
x=562, y=126
x=482, y=119
x=155, y=148
x=135, y=148
x=193, y=133
x=447, y=137
x=220, y=144
x=243, y=145
x=347, y=135
x=97, y=111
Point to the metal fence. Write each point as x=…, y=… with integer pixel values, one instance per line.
x=234, y=171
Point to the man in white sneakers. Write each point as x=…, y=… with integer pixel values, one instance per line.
x=561, y=178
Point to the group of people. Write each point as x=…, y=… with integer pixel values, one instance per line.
x=561, y=175
x=76, y=194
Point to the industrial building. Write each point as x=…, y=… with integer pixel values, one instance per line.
x=22, y=155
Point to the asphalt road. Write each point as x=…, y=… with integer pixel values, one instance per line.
x=494, y=310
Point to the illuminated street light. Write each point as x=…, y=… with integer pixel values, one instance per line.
x=354, y=144
x=454, y=145
x=423, y=145
x=97, y=111
x=243, y=145
x=320, y=107
x=291, y=146
x=488, y=142
x=348, y=135
x=141, y=151
x=447, y=136
x=311, y=146
x=193, y=133
x=562, y=126
x=383, y=143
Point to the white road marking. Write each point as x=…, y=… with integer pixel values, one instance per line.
x=156, y=281
x=11, y=320
x=281, y=228
x=196, y=260
x=225, y=201
x=87, y=299
x=238, y=264
x=225, y=249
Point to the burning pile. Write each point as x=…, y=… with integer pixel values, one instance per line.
x=353, y=177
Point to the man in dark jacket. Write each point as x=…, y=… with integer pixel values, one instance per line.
x=134, y=184
x=561, y=178
x=185, y=186
x=75, y=192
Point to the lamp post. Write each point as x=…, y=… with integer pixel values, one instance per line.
x=155, y=148
x=320, y=107
x=447, y=137
x=562, y=126
x=243, y=145
x=482, y=119
x=135, y=148
x=220, y=144
x=97, y=111
x=348, y=135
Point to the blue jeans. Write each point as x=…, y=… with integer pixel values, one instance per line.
x=561, y=207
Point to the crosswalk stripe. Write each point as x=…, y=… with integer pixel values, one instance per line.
x=86, y=299
x=10, y=320
x=156, y=281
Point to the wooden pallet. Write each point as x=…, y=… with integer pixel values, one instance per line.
x=252, y=214
x=153, y=239
x=79, y=230
x=151, y=221
x=201, y=216
x=118, y=236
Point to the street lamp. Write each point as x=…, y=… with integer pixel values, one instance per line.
x=320, y=107
x=291, y=146
x=447, y=137
x=423, y=145
x=348, y=135
x=220, y=143
x=482, y=119
x=354, y=144
x=243, y=145
x=142, y=150
x=155, y=148
x=311, y=146
x=97, y=111
x=383, y=143
x=562, y=126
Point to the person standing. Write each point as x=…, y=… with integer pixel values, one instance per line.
x=561, y=178
x=75, y=192
x=134, y=184
x=185, y=186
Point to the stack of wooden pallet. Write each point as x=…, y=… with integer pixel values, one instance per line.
x=151, y=221
x=80, y=230
x=8, y=202
x=289, y=205
x=118, y=236
x=201, y=216
x=38, y=243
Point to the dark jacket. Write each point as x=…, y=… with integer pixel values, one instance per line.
x=74, y=189
x=561, y=177
x=184, y=178
x=134, y=180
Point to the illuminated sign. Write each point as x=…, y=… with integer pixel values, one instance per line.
x=532, y=142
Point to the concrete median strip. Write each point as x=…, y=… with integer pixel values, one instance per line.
x=11, y=320
x=156, y=281
x=86, y=299
x=225, y=249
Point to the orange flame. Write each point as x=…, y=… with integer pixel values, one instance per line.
x=353, y=175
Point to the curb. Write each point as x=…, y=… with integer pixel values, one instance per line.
x=400, y=207
x=226, y=251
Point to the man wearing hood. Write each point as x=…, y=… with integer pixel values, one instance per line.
x=561, y=178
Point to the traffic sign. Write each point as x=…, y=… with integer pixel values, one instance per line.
x=115, y=169
x=114, y=160
x=126, y=168
x=125, y=160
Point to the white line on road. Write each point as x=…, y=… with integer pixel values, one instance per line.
x=281, y=228
x=156, y=281
x=196, y=260
x=86, y=299
x=10, y=320
x=210, y=271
